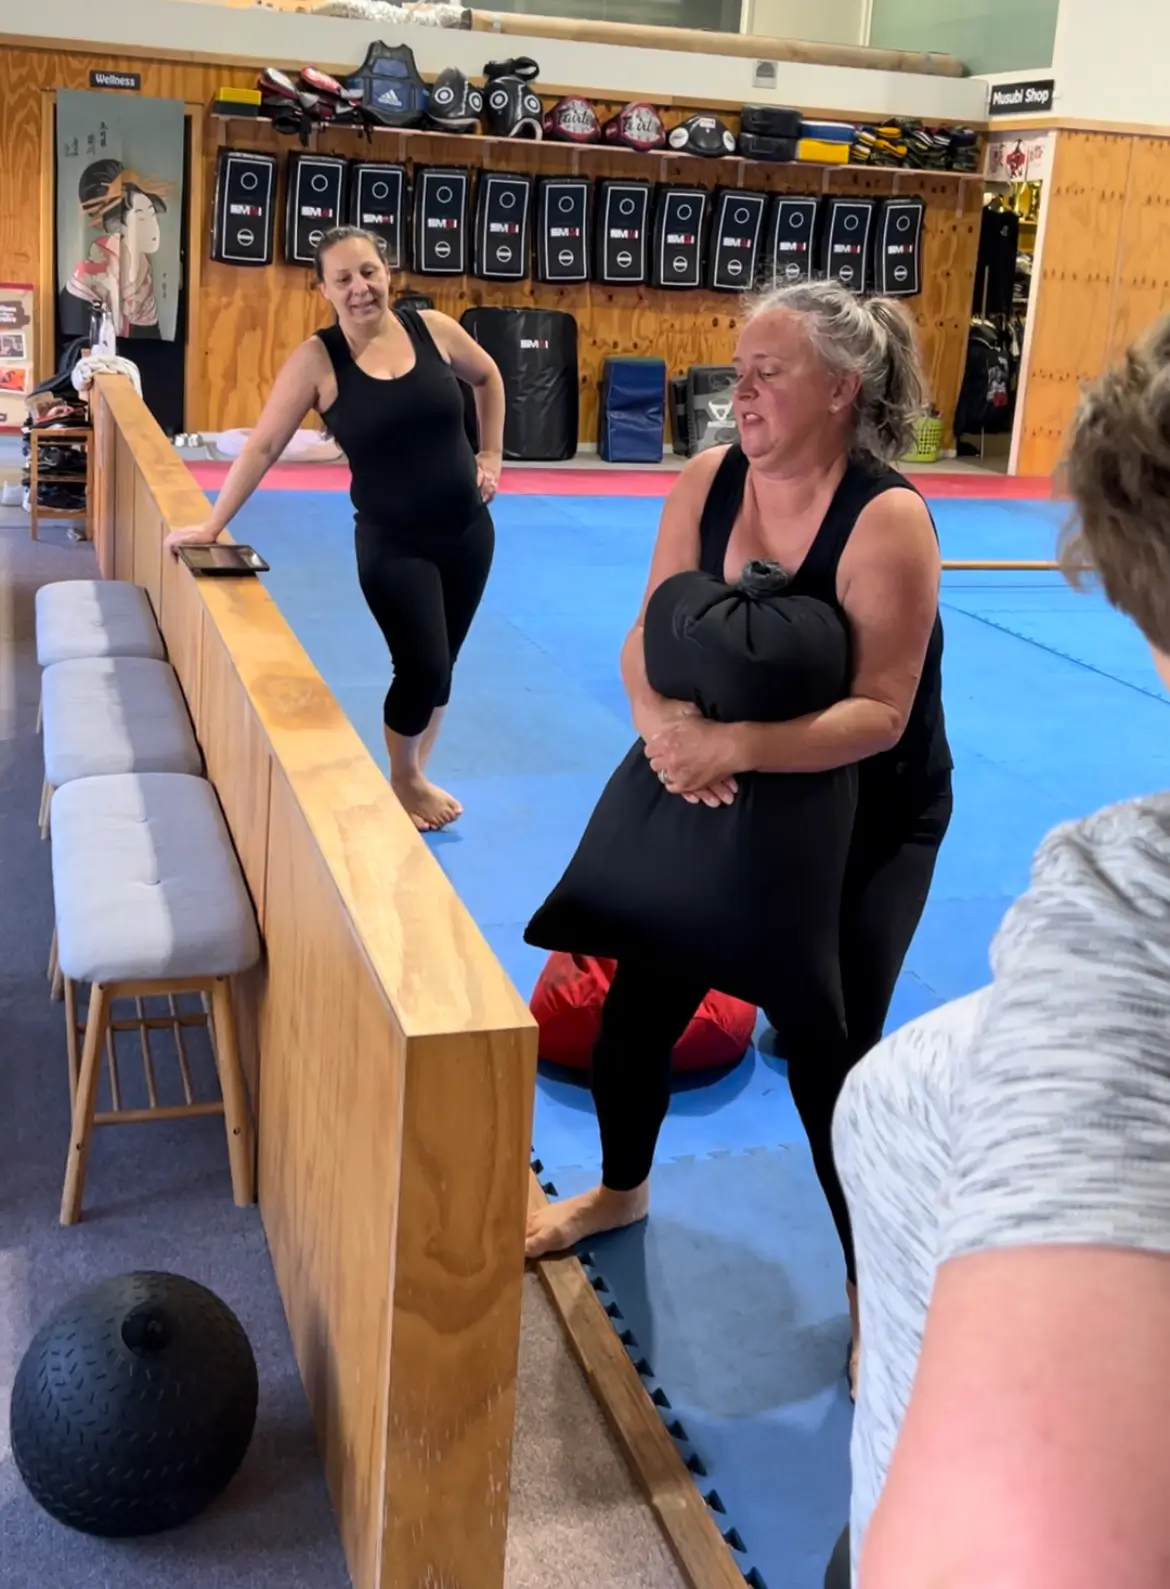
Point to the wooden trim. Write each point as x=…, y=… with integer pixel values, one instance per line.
x=1025, y=124
x=45, y=312
x=684, y=1517
x=1017, y=437
x=196, y=246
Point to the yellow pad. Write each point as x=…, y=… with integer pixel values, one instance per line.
x=238, y=96
x=817, y=152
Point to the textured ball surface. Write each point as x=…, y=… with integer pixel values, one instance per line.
x=134, y=1406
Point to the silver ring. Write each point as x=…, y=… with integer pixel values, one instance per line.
x=662, y=778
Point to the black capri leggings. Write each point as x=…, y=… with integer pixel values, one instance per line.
x=650, y=1004
x=423, y=594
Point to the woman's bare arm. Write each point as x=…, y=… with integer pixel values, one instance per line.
x=890, y=573
x=479, y=370
x=294, y=395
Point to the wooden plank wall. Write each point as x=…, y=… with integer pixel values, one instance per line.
x=249, y=321
x=390, y=1060
x=1104, y=276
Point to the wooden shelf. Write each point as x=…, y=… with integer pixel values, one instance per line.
x=574, y=153
x=73, y=436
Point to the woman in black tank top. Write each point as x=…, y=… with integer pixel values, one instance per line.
x=828, y=387
x=386, y=382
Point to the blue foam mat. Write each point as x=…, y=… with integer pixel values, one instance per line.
x=1053, y=709
x=734, y=1293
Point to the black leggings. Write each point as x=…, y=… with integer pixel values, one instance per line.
x=650, y=1004
x=424, y=594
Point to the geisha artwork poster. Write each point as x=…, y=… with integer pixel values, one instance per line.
x=119, y=212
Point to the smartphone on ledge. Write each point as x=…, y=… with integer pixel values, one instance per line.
x=219, y=560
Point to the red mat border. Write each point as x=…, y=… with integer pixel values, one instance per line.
x=518, y=481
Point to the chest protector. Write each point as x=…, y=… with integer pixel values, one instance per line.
x=512, y=107
x=392, y=92
x=702, y=135
x=572, y=120
x=455, y=105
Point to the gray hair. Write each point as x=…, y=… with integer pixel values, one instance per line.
x=872, y=338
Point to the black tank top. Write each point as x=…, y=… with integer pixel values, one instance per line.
x=405, y=439
x=923, y=750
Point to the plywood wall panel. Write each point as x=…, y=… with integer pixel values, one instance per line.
x=1141, y=289
x=250, y=320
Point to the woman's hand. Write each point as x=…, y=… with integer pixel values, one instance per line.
x=488, y=466
x=193, y=535
x=695, y=758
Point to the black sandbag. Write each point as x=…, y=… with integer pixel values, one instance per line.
x=748, y=895
x=536, y=352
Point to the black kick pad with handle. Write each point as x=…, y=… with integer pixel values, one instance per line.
x=680, y=217
x=734, y=245
x=562, y=229
x=847, y=242
x=623, y=213
x=503, y=230
x=244, y=208
x=441, y=195
x=789, y=239
x=897, y=255
x=314, y=203
x=377, y=202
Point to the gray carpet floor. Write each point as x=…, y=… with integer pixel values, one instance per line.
x=158, y=1196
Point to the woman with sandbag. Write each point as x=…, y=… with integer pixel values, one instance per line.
x=786, y=861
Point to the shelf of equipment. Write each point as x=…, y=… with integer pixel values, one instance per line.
x=74, y=436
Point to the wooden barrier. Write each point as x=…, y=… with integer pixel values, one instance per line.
x=392, y=1063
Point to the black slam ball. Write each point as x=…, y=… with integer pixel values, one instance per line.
x=134, y=1406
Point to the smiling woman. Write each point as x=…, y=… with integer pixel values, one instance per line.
x=386, y=384
x=827, y=388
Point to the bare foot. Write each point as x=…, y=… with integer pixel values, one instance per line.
x=562, y=1225
x=429, y=807
x=855, y=1342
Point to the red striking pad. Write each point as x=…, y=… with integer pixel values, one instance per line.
x=566, y=1005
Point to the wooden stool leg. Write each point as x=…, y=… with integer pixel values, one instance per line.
x=46, y=805
x=235, y=1102
x=51, y=973
x=70, y=992
x=41, y=709
x=84, y=1100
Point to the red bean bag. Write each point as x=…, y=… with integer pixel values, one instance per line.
x=567, y=1007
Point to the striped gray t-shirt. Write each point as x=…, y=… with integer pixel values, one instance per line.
x=1036, y=1110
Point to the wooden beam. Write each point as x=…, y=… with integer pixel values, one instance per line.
x=684, y=1517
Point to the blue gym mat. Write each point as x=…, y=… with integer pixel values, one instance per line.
x=732, y=1294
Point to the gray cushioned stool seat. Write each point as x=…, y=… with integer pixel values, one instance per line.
x=106, y=715
x=146, y=883
x=95, y=618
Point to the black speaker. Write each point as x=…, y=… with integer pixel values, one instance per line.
x=789, y=239
x=680, y=216
x=623, y=214
x=313, y=203
x=244, y=209
x=847, y=241
x=535, y=351
x=503, y=227
x=378, y=201
x=441, y=195
x=897, y=255
x=562, y=229
x=734, y=247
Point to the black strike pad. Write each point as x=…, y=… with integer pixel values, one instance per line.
x=313, y=203
x=710, y=407
x=623, y=241
x=789, y=240
x=747, y=896
x=734, y=245
x=770, y=121
x=503, y=227
x=441, y=195
x=680, y=217
x=377, y=201
x=244, y=209
x=847, y=242
x=897, y=261
x=535, y=351
x=562, y=229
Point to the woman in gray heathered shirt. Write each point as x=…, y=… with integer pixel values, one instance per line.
x=1006, y=1161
